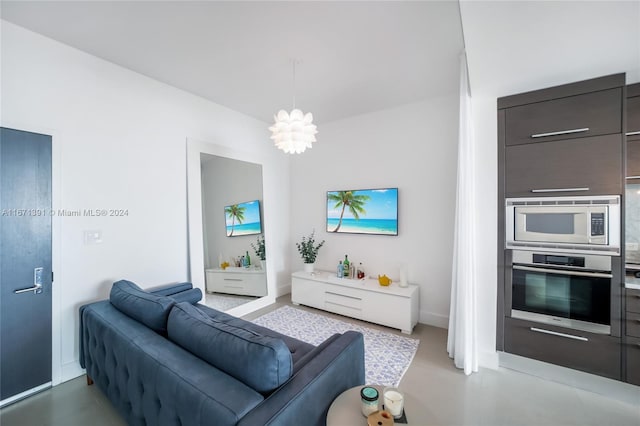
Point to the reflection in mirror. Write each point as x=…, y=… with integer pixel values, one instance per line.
x=231, y=223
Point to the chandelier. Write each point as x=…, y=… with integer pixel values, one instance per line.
x=294, y=132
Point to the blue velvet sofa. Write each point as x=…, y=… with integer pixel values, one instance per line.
x=164, y=359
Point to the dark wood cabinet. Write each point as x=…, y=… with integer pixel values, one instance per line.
x=633, y=113
x=566, y=140
x=589, y=114
x=589, y=166
x=632, y=352
x=593, y=353
x=633, y=300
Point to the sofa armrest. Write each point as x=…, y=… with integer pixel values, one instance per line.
x=170, y=289
x=307, y=395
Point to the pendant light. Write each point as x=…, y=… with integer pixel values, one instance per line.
x=294, y=132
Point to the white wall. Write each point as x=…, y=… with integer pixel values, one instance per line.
x=121, y=143
x=225, y=182
x=414, y=148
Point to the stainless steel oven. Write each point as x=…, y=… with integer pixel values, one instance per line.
x=567, y=290
x=564, y=224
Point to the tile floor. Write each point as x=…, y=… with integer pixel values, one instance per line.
x=490, y=397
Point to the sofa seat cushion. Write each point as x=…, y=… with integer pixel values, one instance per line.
x=297, y=348
x=261, y=362
x=150, y=309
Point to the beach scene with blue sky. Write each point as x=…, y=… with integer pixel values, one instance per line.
x=243, y=219
x=363, y=211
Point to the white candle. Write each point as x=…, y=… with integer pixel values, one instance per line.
x=393, y=402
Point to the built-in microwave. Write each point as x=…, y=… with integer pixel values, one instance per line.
x=565, y=224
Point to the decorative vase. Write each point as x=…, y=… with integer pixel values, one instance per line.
x=308, y=267
x=403, y=275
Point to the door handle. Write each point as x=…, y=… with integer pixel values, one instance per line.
x=561, y=132
x=36, y=289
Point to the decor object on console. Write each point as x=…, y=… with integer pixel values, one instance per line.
x=384, y=280
x=363, y=211
x=295, y=132
x=308, y=250
x=149, y=355
x=260, y=248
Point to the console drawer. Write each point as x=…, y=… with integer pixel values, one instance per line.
x=589, y=352
x=589, y=114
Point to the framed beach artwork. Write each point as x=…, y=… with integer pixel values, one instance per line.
x=243, y=219
x=363, y=211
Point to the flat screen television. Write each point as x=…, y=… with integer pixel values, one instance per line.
x=363, y=211
x=243, y=218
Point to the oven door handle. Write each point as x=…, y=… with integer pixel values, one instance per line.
x=560, y=272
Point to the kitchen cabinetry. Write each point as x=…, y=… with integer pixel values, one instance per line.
x=241, y=281
x=589, y=114
x=633, y=133
x=393, y=306
x=561, y=141
x=632, y=344
x=580, y=350
x=573, y=167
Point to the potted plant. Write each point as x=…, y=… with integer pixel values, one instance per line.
x=309, y=251
x=259, y=249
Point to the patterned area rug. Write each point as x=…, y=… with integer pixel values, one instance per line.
x=387, y=356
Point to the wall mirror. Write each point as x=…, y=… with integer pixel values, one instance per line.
x=226, y=216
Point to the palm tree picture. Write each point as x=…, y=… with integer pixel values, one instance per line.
x=348, y=200
x=235, y=212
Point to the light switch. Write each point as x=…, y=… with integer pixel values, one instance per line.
x=92, y=237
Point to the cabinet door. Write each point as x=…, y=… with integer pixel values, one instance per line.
x=633, y=300
x=560, y=167
x=632, y=347
x=633, y=160
x=589, y=114
x=592, y=353
x=633, y=119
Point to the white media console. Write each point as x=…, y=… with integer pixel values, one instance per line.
x=392, y=306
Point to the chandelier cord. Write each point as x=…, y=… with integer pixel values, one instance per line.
x=294, y=83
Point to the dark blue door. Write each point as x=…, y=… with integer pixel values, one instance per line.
x=25, y=263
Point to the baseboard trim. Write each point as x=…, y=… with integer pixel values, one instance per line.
x=436, y=320
x=610, y=388
x=282, y=290
x=70, y=371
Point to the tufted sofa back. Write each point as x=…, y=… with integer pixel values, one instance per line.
x=137, y=369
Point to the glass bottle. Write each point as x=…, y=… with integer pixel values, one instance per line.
x=340, y=272
x=360, y=271
x=248, y=259
x=345, y=266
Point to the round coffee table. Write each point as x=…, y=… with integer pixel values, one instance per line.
x=346, y=409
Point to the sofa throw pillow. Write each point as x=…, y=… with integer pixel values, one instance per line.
x=261, y=362
x=150, y=309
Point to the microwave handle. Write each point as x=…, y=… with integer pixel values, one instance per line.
x=562, y=272
x=535, y=191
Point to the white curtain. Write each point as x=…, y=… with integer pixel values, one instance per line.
x=462, y=343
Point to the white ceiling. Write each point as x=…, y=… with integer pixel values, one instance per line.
x=518, y=46
x=356, y=57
